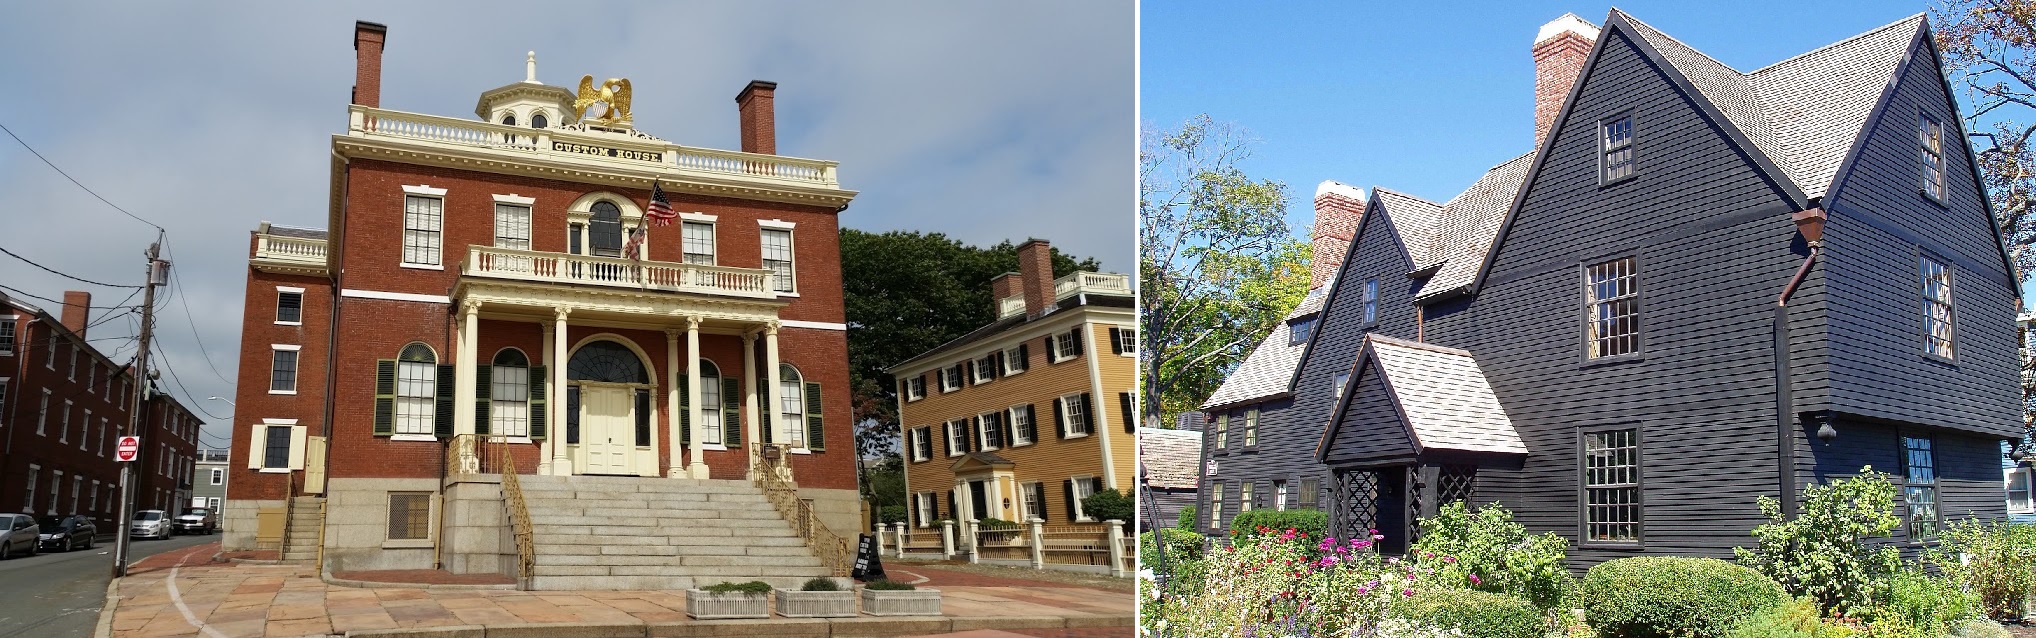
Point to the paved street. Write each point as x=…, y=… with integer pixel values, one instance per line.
x=59, y=594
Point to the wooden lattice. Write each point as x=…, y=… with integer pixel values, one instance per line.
x=1357, y=500
x=1456, y=483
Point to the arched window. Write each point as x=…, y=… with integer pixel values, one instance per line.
x=606, y=361
x=791, y=406
x=604, y=230
x=416, y=389
x=538, y=121
x=509, y=119
x=509, y=394
x=710, y=402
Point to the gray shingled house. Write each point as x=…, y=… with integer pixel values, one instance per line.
x=1703, y=286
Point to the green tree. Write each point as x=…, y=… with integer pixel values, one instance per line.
x=1989, y=50
x=906, y=293
x=1218, y=267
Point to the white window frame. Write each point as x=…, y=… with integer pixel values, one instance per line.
x=1340, y=382
x=515, y=206
x=1063, y=346
x=42, y=415
x=927, y=509
x=7, y=336
x=1216, y=505
x=212, y=503
x=949, y=381
x=766, y=227
x=419, y=411
x=509, y=416
x=95, y=496
x=56, y=490
x=920, y=440
x=1279, y=496
x=915, y=388
x=64, y=428
x=1032, y=501
x=430, y=521
x=985, y=424
x=5, y=382
x=1244, y=495
x=218, y=476
x=288, y=290
x=983, y=369
x=1078, y=425
x=85, y=430
x=431, y=246
x=1127, y=341
x=293, y=456
x=688, y=221
x=1014, y=357
x=91, y=375
x=77, y=492
x=1030, y=432
x=1085, y=487
x=954, y=445
x=102, y=435
x=28, y=504
x=275, y=354
x=792, y=394
x=50, y=361
x=72, y=373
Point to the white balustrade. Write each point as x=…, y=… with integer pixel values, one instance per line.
x=527, y=265
x=1092, y=282
x=289, y=249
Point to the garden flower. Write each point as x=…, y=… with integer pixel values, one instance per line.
x=1474, y=580
x=1449, y=559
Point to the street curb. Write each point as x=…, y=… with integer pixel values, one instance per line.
x=370, y=584
x=104, y=628
x=774, y=626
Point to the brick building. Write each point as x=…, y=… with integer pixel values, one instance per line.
x=475, y=293
x=62, y=403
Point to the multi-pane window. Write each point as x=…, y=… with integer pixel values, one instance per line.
x=1919, y=490
x=1244, y=496
x=1299, y=330
x=512, y=226
x=409, y=516
x=1034, y=496
x=985, y=369
x=1279, y=496
x=85, y=430
x=1075, y=412
x=698, y=240
x=416, y=390
x=91, y=375
x=3, y=402
x=1023, y=431
x=1931, y=135
x=276, y=447
x=922, y=443
x=927, y=508
x=1014, y=360
x=1064, y=346
x=1611, y=469
x=1250, y=428
x=777, y=257
x=957, y=437
x=1615, y=138
x=989, y=431
x=1127, y=341
x=1309, y=489
x=50, y=354
x=1341, y=381
x=1084, y=487
x=1223, y=431
x=7, y=336
x=604, y=229
x=1612, y=307
x=218, y=476
x=64, y=428
x=1371, y=300
x=791, y=406
x=2018, y=491
x=509, y=393
x=423, y=220
x=710, y=403
x=1216, y=505
x=289, y=306
x=915, y=388
x=950, y=379
x=1937, y=332
x=283, y=372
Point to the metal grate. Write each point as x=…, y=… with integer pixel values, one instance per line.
x=1357, y=500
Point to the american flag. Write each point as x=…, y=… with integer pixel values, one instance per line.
x=633, y=248
x=660, y=211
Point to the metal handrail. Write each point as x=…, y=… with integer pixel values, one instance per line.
x=519, y=519
x=832, y=549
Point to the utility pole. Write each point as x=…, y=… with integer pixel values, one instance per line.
x=158, y=274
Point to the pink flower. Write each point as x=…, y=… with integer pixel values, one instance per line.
x=1407, y=592
x=1474, y=580
x=1449, y=559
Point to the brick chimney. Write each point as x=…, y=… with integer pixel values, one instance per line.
x=1338, y=207
x=1559, y=53
x=759, y=119
x=1005, y=285
x=1035, y=272
x=77, y=311
x=369, y=39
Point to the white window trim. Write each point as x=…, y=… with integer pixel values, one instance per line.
x=1011, y=353
x=951, y=429
x=394, y=296
x=282, y=290
x=792, y=246
x=413, y=437
x=1131, y=352
x=1010, y=417
x=912, y=443
x=698, y=217
x=983, y=425
x=1067, y=404
x=915, y=388
x=273, y=347
x=1083, y=480
x=977, y=371
x=776, y=223
x=511, y=199
x=713, y=230
x=422, y=266
x=424, y=190
x=34, y=471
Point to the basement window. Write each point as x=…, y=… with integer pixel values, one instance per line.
x=409, y=516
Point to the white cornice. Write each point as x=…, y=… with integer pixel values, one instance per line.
x=393, y=296
x=816, y=325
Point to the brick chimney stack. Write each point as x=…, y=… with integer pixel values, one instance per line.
x=1035, y=271
x=759, y=118
x=1005, y=285
x=368, y=38
x=77, y=311
x=1338, y=207
x=1559, y=53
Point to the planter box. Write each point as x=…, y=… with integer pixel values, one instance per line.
x=816, y=604
x=917, y=602
x=707, y=605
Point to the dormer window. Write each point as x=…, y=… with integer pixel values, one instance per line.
x=1299, y=331
x=509, y=119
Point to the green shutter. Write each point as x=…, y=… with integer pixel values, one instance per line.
x=540, y=409
x=731, y=411
x=385, y=397
x=815, y=439
x=484, y=386
x=685, y=417
x=442, y=414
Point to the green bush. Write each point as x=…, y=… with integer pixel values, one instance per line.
x=753, y=587
x=882, y=584
x=1110, y=505
x=820, y=584
x=1313, y=523
x=1474, y=613
x=1664, y=596
x=1795, y=619
x=996, y=524
x=1181, y=545
x=1995, y=560
x=890, y=514
x=1485, y=550
x=1824, y=551
x=1930, y=604
x=1186, y=519
x=1979, y=628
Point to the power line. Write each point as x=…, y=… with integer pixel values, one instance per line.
x=37, y=297
x=54, y=271
x=74, y=180
x=193, y=323
x=164, y=353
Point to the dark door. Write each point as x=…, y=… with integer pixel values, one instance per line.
x=1392, y=510
x=979, y=498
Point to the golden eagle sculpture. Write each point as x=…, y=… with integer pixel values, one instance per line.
x=613, y=95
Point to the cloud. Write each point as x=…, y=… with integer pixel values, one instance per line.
x=982, y=121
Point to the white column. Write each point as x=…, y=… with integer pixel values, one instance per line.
x=946, y=539
x=561, y=464
x=1099, y=415
x=770, y=412
x=698, y=468
x=677, y=467
x=1116, y=538
x=749, y=408
x=901, y=539
x=554, y=431
x=463, y=368
x=1038, y=546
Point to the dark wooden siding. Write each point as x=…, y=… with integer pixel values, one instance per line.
x=1969, y=481
x=1168, y=501
x=1370, y=428
x=1881, y=225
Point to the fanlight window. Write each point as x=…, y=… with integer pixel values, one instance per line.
x=604, y=230
x=539, y=121
x=606, y=361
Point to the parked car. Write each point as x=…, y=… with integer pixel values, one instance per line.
x=66, y=533
x=149, y=524
x=18, y=534
x=197, y=520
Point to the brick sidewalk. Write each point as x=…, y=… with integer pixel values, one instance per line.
x=241, y=600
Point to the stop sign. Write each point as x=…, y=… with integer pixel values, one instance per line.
x=130, y=446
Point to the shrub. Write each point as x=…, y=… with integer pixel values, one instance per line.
x=1995, y=560
x=1979, y=628
x=1284, y=585
x=1823, y=552
x=1110, y=505
x=1662, y=596
x=753, y=588
x=890, y=514
x=1493, y=553
x=996, y=524
x=1930, y=604
x=1181, y=545
x=1795, y=619
x=820, y=584
x=1186, y=519
x=1477, y=614
x=883, y=584
x=1250, y=526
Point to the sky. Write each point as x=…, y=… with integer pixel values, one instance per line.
x=1421, y=98
x=982, y=121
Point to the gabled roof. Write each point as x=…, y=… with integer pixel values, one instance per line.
x=1442, y=397
x=1169, y=456
x=1270, y=368
x=1463, y=234
x=1415, y=219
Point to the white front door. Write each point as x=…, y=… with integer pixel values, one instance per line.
x=608, y=432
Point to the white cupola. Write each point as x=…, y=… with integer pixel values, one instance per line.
x=528, y=103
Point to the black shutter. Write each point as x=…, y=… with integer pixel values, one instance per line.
x=1130, y=423
x=1116, y=346
x=1078, y=342
x=997, y=364
x=1067, y=487
x=442, y=418
x=1031, y=423
x=1088, y=414
x=540, y=405
x=816, y=438
x=484, y=386
x=968, y=436
x=1052, y=350
x=1059, y=417
x=685, y=415
x=1010, y=428
x=1024, y=358
x=731, y=412
x=946, y=448
x=385, y=397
